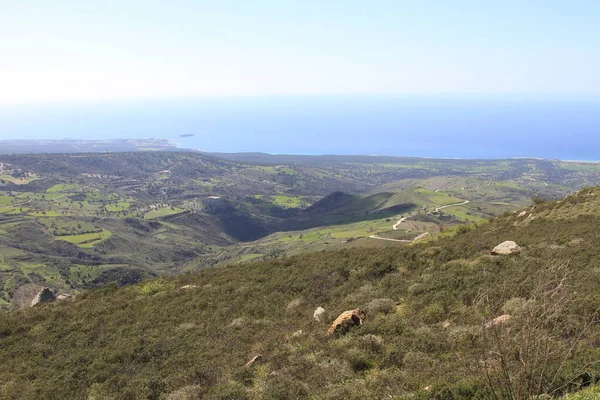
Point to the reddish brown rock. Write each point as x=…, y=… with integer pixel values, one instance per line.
x=356, y=316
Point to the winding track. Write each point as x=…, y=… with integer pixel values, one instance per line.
x=395, y=227
x=452, y=205
x=391, y=240
x=401, y=220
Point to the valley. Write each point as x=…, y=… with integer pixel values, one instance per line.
x=79, y=221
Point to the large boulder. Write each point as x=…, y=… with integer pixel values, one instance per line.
x=319, y=314
x=347, y=318
x=505, y=248
x=46, y=295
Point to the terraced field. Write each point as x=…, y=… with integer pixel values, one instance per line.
x=87, y=240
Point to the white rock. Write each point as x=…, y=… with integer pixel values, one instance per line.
x=319, y=314
x=504, y=248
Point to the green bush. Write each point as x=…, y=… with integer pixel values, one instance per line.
x=380, y=306
x=156, y=286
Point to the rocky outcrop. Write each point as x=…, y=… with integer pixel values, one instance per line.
x=353, y=318
x=505, y=248
x=46, y=295
x=319, y=314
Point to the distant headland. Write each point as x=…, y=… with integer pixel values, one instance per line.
x=88, y=146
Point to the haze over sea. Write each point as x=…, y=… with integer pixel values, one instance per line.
x=491, y=126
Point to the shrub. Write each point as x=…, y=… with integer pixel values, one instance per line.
x=373, y=343
x=418, y=361
x=380, y=306
x=531, y=354
x=433, y=313
x=156, y=286
x=228, y=391
x=192, y=392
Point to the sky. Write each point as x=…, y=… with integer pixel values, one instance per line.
x=83, y=50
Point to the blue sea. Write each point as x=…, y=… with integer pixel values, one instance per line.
x=467, y=126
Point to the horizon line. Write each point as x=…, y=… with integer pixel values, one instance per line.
x=152, y=99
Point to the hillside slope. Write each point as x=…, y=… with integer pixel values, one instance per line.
x=75, y=221
x=431, y=329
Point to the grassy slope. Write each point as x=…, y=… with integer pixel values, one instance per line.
x=425, y=305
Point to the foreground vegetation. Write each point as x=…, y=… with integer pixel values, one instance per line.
x=430, y=330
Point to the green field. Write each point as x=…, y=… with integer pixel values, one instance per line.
x=286, y=201
x=67, y=226
x=44, y=214
x=62, y=187
x=13, y=210
x=20, y=180
x=87, y=240
x=116, y=207
x=421, y=197
x=5, y=200
x=438, y=198
x=163, y=212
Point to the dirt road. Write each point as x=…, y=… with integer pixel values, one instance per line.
x=391, y=240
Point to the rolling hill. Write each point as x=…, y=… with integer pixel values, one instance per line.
x=78, y=221
x=445, y=319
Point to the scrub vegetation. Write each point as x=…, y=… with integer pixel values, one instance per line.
x=432, y=328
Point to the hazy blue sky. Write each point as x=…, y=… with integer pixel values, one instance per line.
x=103, y=50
